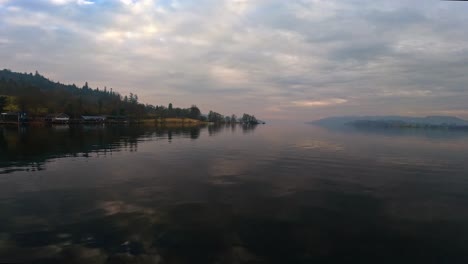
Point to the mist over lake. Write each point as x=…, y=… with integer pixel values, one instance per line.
x=232, y=194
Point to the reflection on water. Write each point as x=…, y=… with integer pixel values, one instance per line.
x=431, y=133
x=231, y=194
x=25, y=148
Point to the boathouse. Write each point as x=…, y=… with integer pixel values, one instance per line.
x=59, y=118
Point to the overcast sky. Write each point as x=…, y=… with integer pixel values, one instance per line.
x=277, y=59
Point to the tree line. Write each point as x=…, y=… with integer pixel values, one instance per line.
x=38, y=96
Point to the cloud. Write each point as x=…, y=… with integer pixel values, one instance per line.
x=318, y=103
x=357, y=56
x=64, y=2
x=229, y=75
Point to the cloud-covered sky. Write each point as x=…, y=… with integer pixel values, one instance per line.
x=296, y=59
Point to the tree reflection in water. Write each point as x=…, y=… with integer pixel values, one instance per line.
x=29, y=148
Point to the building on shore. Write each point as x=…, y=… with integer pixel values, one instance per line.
x=60, y=118
x=13, y=117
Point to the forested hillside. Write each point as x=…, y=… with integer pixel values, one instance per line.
x=38, y=96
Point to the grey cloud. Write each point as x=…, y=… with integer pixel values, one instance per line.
x=392, y=19
x=361, y=52
x=383, y=56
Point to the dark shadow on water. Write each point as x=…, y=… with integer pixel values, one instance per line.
x=320, y=226
x=214, y=129
x=248, y=128
x=29, y=148
x=226, y=199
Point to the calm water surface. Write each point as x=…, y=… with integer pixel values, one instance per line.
x=267, y=194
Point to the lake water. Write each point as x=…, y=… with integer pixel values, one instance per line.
x=274, y=193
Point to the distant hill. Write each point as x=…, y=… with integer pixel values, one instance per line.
x=393, y=121
x=35, y=79
x=38, y=96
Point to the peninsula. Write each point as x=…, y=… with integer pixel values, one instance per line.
x=33, y=98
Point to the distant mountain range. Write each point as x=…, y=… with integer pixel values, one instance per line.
x=393, y=121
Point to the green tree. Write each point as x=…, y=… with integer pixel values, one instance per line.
x=170, y=110
x=233, y=118
x=215, y=117
x=194, y=112
x=3, y=102
x=249, y=119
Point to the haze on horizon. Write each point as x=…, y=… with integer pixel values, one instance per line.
x=300, y=60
